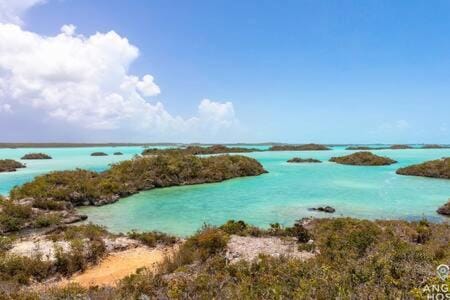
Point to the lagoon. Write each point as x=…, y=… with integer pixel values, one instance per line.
x=283, y=195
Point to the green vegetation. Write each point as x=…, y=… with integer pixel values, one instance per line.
x=99, y=154
x=152, y=238
x=36, y=156
x=198, y=150
x=439, y=168
x=10, y=165
x=81, y=187
x=15, y=216
x=303, y=160
x=86, y=246
x=363, y=158
x=118, y=153
x=305, y=147
x=357, y=259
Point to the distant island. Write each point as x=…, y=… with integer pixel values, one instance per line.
x=303, y=160
x=198, y=150
x=363, y=158
x=439, y=168
x=304, y=147
x=392, y=147
x=10, y=165
x=99, y=154
x=118, y=153
x=434, y=146
x=36, y=156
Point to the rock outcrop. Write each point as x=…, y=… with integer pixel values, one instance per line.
x=444, y=209
x=327, y=209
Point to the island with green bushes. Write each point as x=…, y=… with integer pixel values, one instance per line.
x=439, y=168
x=10, y=165
x=199, y=150
x=303, y=147
x=363, y=158
x=36, y=156
x=303, y=160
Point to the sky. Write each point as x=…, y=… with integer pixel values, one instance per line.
x=225, y=71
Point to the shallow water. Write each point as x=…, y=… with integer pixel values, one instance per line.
x=283, y=195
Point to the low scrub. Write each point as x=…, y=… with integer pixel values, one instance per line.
x=357, y=259
x=153, y=238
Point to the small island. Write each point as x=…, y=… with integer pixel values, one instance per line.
x=433, y=146
x=10, y=165
x=198, y=150
x=400, y=147
x=439, y=168
x=118, y=153
x=392, y=147
x=444, y=209
x=36, y=156
x=99, y=154
x=304, y=147
x=303, y=160
x=363, y=158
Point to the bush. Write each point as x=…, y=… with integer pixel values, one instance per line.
x=49, y=204
x=152, y=238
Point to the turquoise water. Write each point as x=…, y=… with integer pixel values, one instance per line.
x=283, y=195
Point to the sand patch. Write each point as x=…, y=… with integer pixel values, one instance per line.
x=119, y=265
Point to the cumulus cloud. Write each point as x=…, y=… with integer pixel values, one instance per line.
x=84, y=81
x=11, y=11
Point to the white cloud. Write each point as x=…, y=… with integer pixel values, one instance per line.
x=11, y=11
x=84, y=81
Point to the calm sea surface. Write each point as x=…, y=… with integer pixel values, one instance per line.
x=283, y=195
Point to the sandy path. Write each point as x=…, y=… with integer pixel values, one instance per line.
x=119, y=265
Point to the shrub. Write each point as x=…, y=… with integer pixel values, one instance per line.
x=152, y=238
x=49, y=204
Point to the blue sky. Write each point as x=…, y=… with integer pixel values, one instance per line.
x=291, y=71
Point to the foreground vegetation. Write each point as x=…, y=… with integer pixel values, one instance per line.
x=305, y=147
x=82, y=187
x=357, y=259
x=439, y=168
x=363, y=158
x=10, y=165
x=199, y=150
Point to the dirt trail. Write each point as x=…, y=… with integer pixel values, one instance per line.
x=120, y=264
